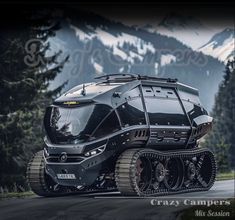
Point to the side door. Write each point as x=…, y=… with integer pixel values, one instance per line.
x=132, y=116
x=169, y=125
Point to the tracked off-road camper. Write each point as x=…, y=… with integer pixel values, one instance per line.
x=136, y=134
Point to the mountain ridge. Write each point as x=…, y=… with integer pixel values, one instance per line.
x=101, y=45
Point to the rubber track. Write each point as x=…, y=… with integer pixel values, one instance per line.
x=125, y=170
x=36, y=177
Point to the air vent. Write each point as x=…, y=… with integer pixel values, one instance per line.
x=140, y=133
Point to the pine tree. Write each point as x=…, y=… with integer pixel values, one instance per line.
x=222, y=138
x=26, y=70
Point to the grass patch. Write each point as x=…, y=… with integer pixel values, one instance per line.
x=213, y=212
x=225, y=176
x=16, y=194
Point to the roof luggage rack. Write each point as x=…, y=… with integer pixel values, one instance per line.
x=129, y=77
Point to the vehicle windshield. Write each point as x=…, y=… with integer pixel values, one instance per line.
x=73, y=125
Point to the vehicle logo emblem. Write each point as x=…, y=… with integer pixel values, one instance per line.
x=63, y=157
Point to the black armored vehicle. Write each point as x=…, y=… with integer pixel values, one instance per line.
x=136, y=134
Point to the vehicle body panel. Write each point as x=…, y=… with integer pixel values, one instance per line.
x=157, y=114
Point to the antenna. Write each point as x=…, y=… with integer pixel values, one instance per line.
x=83, y=92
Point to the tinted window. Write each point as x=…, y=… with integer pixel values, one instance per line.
x=132, y=113
x=189, y=97
x=193, y=110
x=73, y=125
x=109, y=125
x=163, y=111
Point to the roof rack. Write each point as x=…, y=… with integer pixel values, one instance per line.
x=129, y=77
x=117, y=76
x=170, y=80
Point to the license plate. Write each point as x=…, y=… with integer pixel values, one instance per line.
x=67, y=176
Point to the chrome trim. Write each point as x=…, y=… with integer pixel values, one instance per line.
x=72, y=163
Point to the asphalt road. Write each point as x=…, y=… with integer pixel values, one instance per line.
x=109, y=206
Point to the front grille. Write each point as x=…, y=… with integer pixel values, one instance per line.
x=55, y=158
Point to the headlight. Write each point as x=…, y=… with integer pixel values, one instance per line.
x=95, y=151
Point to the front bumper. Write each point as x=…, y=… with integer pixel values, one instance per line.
x=84, y=168
x=82, y=175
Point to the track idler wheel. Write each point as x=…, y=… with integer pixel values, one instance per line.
x=205, y=170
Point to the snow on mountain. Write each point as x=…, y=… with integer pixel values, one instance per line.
x=221, y=45
x=134, y=55
x=116, y=42
x=190, y=30
x=81, y=34
x=216, y=42
x=97, y=66
x=120, y=53
x=187, y=29
x=110, y=40
x=167, y=59
x=97, y=46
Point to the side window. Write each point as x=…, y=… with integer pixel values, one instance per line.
x=164, y=108
x=132, y=113
x=193, y=110
x=109, y=125
x=186, y=96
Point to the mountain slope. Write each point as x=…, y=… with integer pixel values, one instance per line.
x=221, y=45
x=97, y=45
x=186, y=29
